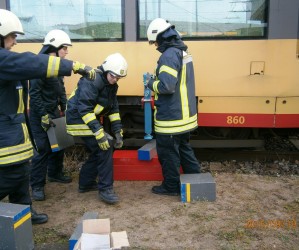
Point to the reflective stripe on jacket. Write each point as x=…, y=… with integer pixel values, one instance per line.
x=89, y=101
x=174, y=88
x=25, y=66
x=15, y=143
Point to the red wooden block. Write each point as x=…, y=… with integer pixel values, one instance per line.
x=127, y=167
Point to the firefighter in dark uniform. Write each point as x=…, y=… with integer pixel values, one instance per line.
x=175, y=106
x=15, y=144
x=84, y=107
x=47, y=102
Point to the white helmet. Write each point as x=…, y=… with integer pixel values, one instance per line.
x=116, y=64
x=57, y=38
x=9, y=23
x=156, y=27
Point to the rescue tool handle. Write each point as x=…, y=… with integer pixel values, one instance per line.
x=147, y=109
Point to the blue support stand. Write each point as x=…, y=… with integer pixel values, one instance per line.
x=147, y=111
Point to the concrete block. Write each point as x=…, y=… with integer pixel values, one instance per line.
x=197, y=187
x=15, y=227
x=79, y=228
x=148, y=151
x=58, y=137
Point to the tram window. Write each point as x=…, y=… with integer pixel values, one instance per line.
x=82, y=20
x=207, y=18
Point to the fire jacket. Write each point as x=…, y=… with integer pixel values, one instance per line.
x=88, y=102
x=25, y=66
x=46, y=95
x=15, y=143
x=174, y=93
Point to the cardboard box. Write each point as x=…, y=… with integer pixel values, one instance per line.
x=58, y=137
x=79, y=228
x=15, y=227
x=197, y=187
x=98, y=236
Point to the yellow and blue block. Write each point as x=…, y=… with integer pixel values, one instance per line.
x=197, y=187
x=15, y=227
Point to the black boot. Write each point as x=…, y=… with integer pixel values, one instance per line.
x=38, y=218
x=108, y=196
x=84, y=189
x=60, y=178
x=163, y=191
x=38, y=194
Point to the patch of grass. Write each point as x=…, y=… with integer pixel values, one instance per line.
x=284, y=238
x=177, y=211
x=74, y=157
x=292, y=206
x=49, y=235
x=202, y=217
x=201, y=230
x=232, y=235
x=239, y=177
x=229, y=247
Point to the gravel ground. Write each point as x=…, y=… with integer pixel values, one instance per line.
x=276, y=168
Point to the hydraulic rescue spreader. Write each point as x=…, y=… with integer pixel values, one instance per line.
x=147, y=101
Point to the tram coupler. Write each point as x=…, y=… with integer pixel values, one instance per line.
x=147, y=103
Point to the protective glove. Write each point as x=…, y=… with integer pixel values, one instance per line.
x=148, y=78
x=84, y=70
x=47, y=122
x=102, y=139
x=119, y=139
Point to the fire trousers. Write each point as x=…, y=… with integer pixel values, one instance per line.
x=175, y=151
x=45, y=161
x=99, y=164
x=14, y=183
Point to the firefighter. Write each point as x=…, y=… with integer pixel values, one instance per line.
x=15, y=144
x=47, y=102
x=175, y=106
x=84, y=107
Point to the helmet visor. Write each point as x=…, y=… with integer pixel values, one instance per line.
x=115, y=76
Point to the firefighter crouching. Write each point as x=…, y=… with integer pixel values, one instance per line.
x=85, y=105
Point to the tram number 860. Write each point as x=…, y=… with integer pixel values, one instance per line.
x=235, y=119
